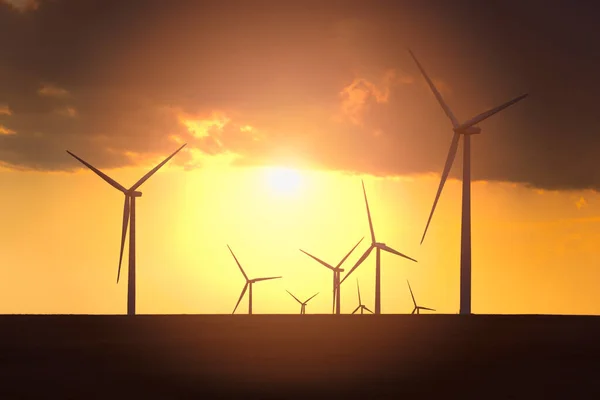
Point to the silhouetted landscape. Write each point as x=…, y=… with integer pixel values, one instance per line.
x=292, y=356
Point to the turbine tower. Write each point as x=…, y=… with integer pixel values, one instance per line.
x=302, y=304
x=128, y=214
x=417, y=308
x=379, y=246
x=248, y=284
x=466, y=129
x=361, y=306
x=336, y=275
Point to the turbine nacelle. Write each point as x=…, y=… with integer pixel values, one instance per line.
x=470, y=130
x=134, y=193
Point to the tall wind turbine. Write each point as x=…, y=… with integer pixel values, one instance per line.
x=379, y=246
x=417, y=308
x=248, y=284
x=128, y=214
x=361, y=306
x=302, y=303
x=336, y=275
x=466, y=129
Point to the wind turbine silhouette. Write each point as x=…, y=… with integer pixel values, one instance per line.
x=302, y=304
x=466, y=129
x=361, y=306
x=336, y=275
x=128, y=214
x=248, y=284
x=417, y=308
x=379, y=246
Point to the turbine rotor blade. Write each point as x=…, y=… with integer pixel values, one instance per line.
x=101, y=174
x=355, y=310
x=311, y=298
x=360, y=260
x=485, y=115
x=426, y=308
x=358, y=288
x=447, y=167
x=348, y=255
x=241, y=296
x=414, y=310
x=126, y=209
x=369, y=310
x=238, y=263
x=436, y=93
x=390, y=250
x=153, y=170
x=266, y=279
x=293, y=296
x=318, y=260
x=411, y=294
x=369, y=214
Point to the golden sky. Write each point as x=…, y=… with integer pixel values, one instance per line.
x=284, y=112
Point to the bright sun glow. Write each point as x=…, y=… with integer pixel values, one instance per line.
x=283, y=180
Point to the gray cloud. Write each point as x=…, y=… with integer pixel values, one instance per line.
x=328, y=83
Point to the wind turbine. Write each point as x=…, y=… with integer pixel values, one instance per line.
x=361, y=306
x=417, y=308
x=336, y=275
x=248, y=284
x=302, y=304
x=379, y=246
x=466, y=129
x=128, y=214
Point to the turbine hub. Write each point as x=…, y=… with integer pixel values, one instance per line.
x=471, y=130
x=135, y=193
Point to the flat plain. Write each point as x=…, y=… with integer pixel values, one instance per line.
x=299, y=356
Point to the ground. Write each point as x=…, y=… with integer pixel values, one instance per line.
x=299, y=356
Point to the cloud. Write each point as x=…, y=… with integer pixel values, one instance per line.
x=67, y=111
x=357, y=96
x=581, y=203
x=22, y=5
x=5, y=110
x=322, y=85
x=6, y=131
x=50, y=90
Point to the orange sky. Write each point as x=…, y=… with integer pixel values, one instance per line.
x=336, y=100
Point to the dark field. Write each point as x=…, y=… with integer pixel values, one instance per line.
x=293, y=356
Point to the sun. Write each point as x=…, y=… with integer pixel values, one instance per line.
x=285, y=181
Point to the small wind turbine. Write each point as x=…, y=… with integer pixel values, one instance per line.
x=128, y=214
x=336, y=275
x=248, y=284
x=361, y=306
x=379, y=247
x=302, y=304
x=466, y=129
x=417, y=308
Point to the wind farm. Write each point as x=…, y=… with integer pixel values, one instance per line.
x=291, y=158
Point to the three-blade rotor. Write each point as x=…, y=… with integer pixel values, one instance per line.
x=466, y=128
x=131, y=192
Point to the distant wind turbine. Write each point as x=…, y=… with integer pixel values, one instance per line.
x=128, y=214
x=379, y=247
x=466, y=129
x=361, y=306
x=248, y=284
x=302, y=304
x=417, y=308
x=336, y=275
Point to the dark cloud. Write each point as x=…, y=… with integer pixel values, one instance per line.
x=328, y=83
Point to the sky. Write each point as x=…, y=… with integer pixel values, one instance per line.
x=285, y=107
